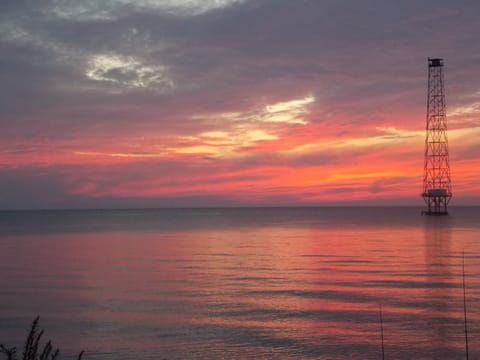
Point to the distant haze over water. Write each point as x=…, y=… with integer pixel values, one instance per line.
x=276, y=283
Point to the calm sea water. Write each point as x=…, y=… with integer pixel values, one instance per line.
x=285, y=283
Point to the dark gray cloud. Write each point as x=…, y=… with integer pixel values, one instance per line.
x=241, y=51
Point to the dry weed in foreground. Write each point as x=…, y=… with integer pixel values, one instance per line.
x=33, y=350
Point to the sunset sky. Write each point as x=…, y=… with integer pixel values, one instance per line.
x=168, y=103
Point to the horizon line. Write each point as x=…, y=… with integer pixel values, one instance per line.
x=224, y=207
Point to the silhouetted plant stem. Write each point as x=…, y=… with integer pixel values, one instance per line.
x=381, y=331
x=465, y=305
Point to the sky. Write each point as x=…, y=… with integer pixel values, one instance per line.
x=188, y=103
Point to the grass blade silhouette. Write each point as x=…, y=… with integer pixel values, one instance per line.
x=381, y=331
x=465, y=305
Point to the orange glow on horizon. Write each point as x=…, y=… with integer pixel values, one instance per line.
x=301, y=161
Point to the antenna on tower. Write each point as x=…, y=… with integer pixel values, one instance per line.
x=437, y=188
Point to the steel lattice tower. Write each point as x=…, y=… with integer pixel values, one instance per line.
x=437, y=188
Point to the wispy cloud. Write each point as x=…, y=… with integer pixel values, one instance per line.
x=126, y=71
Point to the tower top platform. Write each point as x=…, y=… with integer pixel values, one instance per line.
x=436, y=62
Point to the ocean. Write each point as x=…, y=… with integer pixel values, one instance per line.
x=243, y=283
